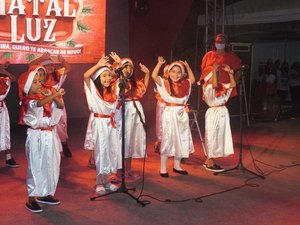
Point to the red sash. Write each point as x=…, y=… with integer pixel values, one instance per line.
x=111, y=116
x=186, y=106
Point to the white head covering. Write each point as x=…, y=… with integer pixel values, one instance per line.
x=29, y=82
x=46, y=62
x=99, y=72
x=177, y=63
x=126, y=60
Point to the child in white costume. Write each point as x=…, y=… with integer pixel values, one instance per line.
x=160, y=105
x=102, y=101
x=90, y=146
x=42, y=145
x=5, y=81
x=218, y=139
x=135, y=135
x=55, y=78
x=176, y=134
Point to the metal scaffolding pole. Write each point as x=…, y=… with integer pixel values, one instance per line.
x=214, y=19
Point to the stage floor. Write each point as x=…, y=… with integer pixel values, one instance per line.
x=237, y=197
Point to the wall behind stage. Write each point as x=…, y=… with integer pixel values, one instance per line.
x=116, y=40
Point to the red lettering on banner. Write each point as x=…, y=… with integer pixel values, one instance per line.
x=72, y=28
x=41, y=49
x=38, y=21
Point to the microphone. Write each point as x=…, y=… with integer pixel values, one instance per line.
x=241, y=68
x=119, y=70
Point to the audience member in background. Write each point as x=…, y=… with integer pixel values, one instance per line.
x=294, y=82
x=283, y=82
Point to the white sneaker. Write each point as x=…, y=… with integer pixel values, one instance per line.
x=100, y=189
x=110, y=187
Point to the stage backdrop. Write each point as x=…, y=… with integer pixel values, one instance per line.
x=72, y=28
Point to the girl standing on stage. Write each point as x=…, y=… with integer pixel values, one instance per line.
x=160, y=105
x=218, y=139
x=102, y=102
x=55, y=78
x=135, y=135
x=5, y=81
x=176, y=134
x=42, y=144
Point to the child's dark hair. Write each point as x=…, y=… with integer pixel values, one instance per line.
x=55, y=75
x=132, y=80
x=171, y=87
x=100, y=87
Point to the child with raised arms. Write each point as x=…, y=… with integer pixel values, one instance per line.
x=102, y=101
x=175, y=90
x=135, y=135
x=218, y=138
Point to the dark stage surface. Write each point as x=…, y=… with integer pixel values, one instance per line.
x=232, y=198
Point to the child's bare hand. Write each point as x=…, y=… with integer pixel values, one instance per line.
x=46, y=55
x=104, y=61
x=226, y=68
x=60, y=58
x=46, y=92
x=185, y=63
x=144, y=69
x=161, y=60
x=115, y=57
x=61, y=91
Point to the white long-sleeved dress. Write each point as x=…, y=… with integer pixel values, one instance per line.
x=105, y=138
x=135, y=134
x=160, y=105
x=218, y=138
x=88, y=140
x=4, y=116
x=176, y=133
x=42, y=149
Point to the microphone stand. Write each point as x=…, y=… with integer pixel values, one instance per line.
x=122, y=189
x=240, y=165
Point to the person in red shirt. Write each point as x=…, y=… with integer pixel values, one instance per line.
x=221, y=55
